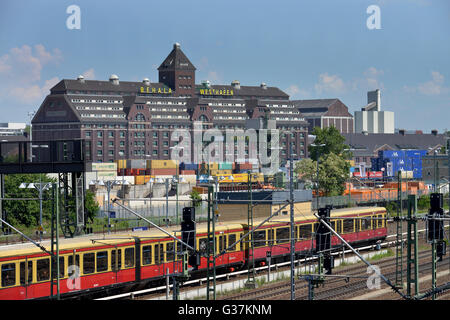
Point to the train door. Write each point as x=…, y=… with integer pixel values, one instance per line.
x=159, y=258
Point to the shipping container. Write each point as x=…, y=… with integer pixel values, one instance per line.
x=101, y=166
x=187, y=172
x=225, y=166
x=163, y=172
x=188, y=166
x=139, y=180
x=164, y=164
x=138, y=164
x=121, y=164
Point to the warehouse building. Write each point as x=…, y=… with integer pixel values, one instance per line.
x=134, y=120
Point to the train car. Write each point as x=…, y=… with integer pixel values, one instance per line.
x=92, y=264
x=274, y=235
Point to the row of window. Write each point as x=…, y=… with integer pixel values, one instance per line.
x=38, y=270
x=302, y=232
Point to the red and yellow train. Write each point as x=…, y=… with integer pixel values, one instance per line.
x=141, y=259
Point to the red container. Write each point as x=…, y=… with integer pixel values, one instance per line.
x=163, y=172
x=187, y=172
x=244, y=166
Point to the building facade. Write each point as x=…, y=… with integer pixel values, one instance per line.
x=324, y=113
x=136, y=120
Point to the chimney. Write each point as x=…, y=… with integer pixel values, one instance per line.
x=434, y=132
x=80, y=78
x=263, y=85
x=146, y=81
x=401, y=131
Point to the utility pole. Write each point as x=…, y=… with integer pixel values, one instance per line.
x=251, y=273
x=399, y=242
x=412, y=247
x=291, y=191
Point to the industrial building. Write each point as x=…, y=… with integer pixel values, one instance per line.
x=371, y=119
x=135, y=120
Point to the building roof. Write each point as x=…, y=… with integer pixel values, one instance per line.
x=176, y=60
x=369, y=144
x=321, y=107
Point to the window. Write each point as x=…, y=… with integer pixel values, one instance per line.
x=111, y=134
x=99, y=134
x=140, y=117
x=337, y=226
x=165, y=134
x=259, y=238
x=43, y=269
x=380, y=222
x=282, y=235
x=77, y=260
x=110, y=143
x=129, y=257
x=365, y=223
x=24, y=273
x=88, y=134
x=88, y=263
x=116, y=261
x=8, y=274
x=159, y=253
x=99, y=143
x=222, y=243
x=102, y=261
x=203, y=244
x=169, y=251
x=305, y=231
x=270, y=237
x=122, y=134
x=61, y=267
x=348, y=225
x=231, y=240
x=146, y=255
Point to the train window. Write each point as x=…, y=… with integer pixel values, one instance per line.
x=305, y=231
x=270, y=236
x=146, y=255
x=61, y=267
x=380, y=222
x=116, y=262
x=365, y=223
x=129, y=257
x=282, y=235
x=77, y=260
x=202, y=244
x=169, y=251
x=88, y=263
x=8, y=274
x=24, y=272
x=177, y=254
x=159, y=253
x=102, y=261
x=231, y=240
x=259, y=238
x=43, y=269
x=316, y=226
x=348, y=225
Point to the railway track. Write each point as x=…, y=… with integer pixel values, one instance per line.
x=278, y=290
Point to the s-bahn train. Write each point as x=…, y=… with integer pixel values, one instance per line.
x=91, y=265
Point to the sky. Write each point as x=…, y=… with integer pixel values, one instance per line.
x=309, y=49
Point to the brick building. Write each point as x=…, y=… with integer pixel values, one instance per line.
x=135, y=120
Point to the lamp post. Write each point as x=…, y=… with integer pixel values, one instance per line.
x=177, y=178
x=41, y=187
x=108, y=184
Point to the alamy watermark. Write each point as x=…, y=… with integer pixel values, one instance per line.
x=374, y=280
x=374, y=20
x=74, y=20
x=213, y=145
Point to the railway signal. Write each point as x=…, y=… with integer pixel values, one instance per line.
x=435, y=227
x=188, y=235
x=323, y=239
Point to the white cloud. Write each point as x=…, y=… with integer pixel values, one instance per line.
x=330, y=83
x=33, y=93
x=295, y=92
x=89, y=74
x=433, y=87
x=21, y=73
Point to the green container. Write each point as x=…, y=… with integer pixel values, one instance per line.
x=225, y=166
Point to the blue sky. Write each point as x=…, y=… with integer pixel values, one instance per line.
x=310, y=49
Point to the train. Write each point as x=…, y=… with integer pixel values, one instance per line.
x=91, y=265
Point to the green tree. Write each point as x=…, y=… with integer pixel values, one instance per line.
x=196, y=198
x=333, y=140
x=333, y=172
x=26, y=212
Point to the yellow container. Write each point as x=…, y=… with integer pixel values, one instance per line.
x=121, y=164
x=164, y=164
x=139, y=180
